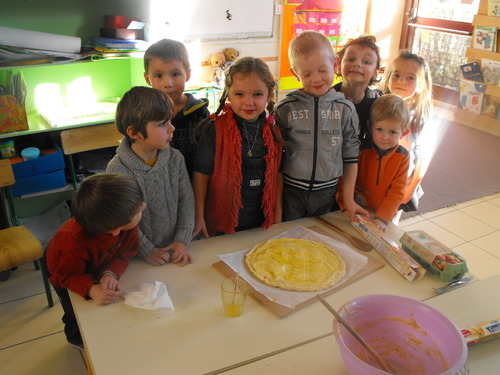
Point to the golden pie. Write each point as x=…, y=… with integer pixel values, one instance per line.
x=295, y=264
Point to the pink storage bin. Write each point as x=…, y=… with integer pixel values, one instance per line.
x=312, y=17
x=332, y=30
x=312, y=27
x=298, y=28
x=323, y=29
x=323, y=17
x=334, y=18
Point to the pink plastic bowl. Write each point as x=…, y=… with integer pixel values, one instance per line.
x=414, y=337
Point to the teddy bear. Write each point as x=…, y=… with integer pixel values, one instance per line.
x=217, y=62
x=230, y=54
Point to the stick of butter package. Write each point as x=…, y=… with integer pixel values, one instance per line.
x=403, y=263
x=482, y=332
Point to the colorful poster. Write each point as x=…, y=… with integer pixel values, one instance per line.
x=471, y=95
x=485, y=38
x=491, y=71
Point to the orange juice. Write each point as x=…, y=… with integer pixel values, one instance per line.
x=233, y=309
x=234, y=293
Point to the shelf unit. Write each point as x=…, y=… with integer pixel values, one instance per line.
x=474, y=120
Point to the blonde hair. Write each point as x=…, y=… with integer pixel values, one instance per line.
x=307, y=43
x=392, y=107
x=421, y=102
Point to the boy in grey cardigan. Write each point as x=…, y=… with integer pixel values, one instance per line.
x=143, y=117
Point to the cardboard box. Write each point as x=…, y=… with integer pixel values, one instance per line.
x=404, y=264
x=119, y=22
x=434, y=256
x=43, y=173
x=483, y=332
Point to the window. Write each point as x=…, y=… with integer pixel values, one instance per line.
x=440, y=32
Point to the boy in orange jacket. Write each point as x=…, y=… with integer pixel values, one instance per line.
x=383, y=163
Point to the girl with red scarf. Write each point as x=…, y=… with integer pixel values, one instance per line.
x=237, y=184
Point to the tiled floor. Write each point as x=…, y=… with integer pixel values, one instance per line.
x=31, y=335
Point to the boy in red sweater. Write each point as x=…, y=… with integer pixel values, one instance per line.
x=90, y=252
x=383, y=163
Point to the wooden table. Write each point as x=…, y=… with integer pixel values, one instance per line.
x=197, y=338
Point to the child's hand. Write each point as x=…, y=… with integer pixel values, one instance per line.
x=380, y=224
x=158, y=257
x=102, y=295
x=179, y=253
x=200, y=228
x=352, y=208
x=109, y=282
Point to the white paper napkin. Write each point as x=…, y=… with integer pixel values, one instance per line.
x=353, y=260
x=149, y=296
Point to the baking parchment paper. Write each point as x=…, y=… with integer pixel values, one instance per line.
x=353, y=260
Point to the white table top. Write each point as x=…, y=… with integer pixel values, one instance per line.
x=473, y=303
x=197, y=338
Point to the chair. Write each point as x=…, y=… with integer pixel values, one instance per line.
x=88, y=138
x=17, y=244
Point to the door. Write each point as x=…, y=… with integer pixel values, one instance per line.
x=440, y=31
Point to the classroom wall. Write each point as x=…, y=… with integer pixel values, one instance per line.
x=81, y=18
x=84, y=18
x=385, y=21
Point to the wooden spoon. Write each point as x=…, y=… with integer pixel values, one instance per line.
x=383, y=366
x=356, y=242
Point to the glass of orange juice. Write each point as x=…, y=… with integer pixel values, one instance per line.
x=234, y=295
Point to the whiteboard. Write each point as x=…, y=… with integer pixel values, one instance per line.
x=221, y=19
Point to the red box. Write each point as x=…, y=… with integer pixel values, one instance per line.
x=118, y=22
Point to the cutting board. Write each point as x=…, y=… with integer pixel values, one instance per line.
x=281, y=311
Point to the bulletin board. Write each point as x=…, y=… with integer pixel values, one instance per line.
x=225, y=19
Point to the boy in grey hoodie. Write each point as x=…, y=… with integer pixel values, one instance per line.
x=321, y=128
